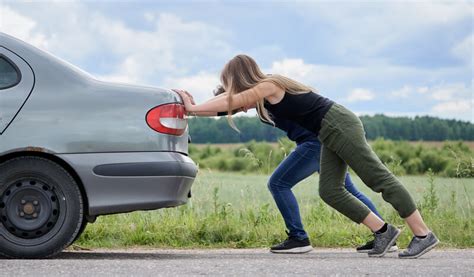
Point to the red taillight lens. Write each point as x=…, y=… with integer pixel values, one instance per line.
x=168, y=119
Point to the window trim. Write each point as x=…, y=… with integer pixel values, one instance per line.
x=18, y=72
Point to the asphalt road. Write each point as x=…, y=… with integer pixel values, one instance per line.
x=241, y=262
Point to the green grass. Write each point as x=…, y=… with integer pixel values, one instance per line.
x=236, y=210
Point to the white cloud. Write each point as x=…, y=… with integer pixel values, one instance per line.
x=422, y=90
x=200, y=85
x=438, y=12
x=453, y=100
x=67, y=28
x=293, y=68
x=441, y=92
x=149, y=16
x=313, y=74
x=450, y=107
x=465, y=49
x=360, y=94
x=449, y=91
x=20, y=26
x=404, y=92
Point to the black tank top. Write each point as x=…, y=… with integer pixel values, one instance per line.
x=306, y=109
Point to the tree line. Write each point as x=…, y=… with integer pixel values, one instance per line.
x=427, y=128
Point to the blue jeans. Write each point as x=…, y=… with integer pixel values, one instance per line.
x=302, y=162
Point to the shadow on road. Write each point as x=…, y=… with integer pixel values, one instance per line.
x=121, y=256
x=202, y=254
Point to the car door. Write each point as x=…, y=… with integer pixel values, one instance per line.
x=16, y=84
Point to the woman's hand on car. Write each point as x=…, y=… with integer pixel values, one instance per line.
x=188, y=99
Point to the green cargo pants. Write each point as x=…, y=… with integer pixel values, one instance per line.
x=344, y=143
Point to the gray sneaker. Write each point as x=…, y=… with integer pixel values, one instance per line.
x=418, y=247
x=370, y=245
x=384, y=241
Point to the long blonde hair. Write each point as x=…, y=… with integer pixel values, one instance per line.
x=242, y=73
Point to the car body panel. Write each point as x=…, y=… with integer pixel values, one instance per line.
x=13, y=98
x=135, y=192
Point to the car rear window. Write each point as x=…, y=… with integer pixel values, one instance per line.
x=9, y=74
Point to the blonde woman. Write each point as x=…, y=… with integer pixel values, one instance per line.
x=343, y=144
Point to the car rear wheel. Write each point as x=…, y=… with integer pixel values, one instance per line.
x=79, y=233
x=41, y=210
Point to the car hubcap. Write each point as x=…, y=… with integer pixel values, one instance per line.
x=29, y=208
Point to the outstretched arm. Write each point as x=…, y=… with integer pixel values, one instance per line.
x=245, y=98
x=181, y=92
x=243, y=109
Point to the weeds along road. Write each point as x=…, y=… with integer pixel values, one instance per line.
x=240, y=262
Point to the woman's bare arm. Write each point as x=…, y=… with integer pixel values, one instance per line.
x=202, y=113
x=246, y=98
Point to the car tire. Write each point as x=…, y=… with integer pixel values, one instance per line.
x=41, y=208
x=79, y=233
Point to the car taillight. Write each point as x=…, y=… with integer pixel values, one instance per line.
x=168, y=119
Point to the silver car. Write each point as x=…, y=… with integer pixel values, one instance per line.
x=73, y=148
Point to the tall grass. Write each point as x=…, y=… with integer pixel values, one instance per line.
x=235, y=210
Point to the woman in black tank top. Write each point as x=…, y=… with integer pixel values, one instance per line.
x=344, y=144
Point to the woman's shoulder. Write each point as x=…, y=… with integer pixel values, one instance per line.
x=270, y=92
x=269, y=87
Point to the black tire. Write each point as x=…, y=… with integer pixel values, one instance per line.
x=79, y=233
x=41, y=210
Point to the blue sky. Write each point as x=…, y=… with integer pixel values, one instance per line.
x=398, y=58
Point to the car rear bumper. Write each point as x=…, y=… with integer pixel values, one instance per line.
x=129, y=181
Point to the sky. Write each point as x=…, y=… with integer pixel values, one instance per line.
x=399, y=58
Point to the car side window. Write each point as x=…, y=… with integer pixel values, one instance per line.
x=9, y=73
